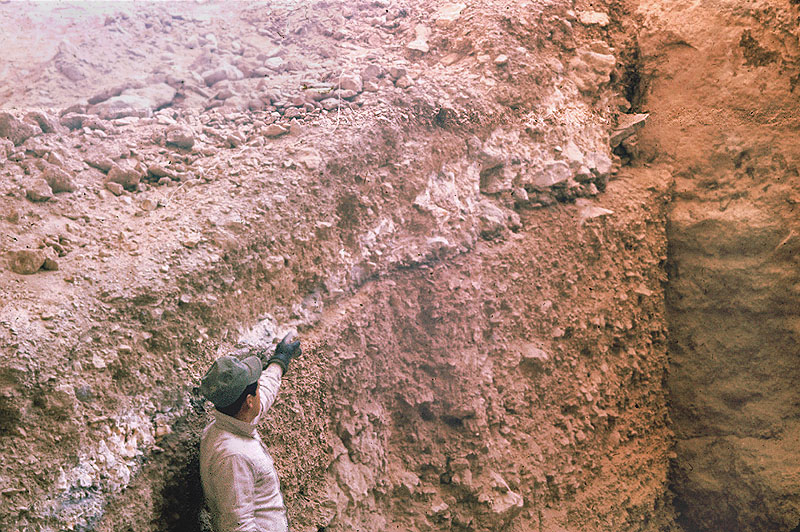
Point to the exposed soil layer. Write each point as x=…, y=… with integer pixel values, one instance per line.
x=463, y=209
x=724, y=115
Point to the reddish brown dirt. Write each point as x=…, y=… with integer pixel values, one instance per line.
x=478, y=282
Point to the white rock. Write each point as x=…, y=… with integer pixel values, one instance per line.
x=351, y=82
x=553, y=173
x=591, y=18
x=448, y=14
x=275, y=63
x=420, y=42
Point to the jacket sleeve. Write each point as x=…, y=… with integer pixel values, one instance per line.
x=234, y=487
x=268, y=385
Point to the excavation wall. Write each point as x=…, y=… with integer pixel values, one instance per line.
x=425, y=192
x=722, y=92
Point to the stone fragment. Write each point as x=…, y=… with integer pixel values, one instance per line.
x=600, y=164
x=50, y=259
x=520, y=195
x=371, y=72
x=26, y=261
x=448, y=14
x=275, y=130
x=589, y=211
x=236, y=139
x=276, y=64
x=574, y=155
x=627, y=126
x=46, y=122
x=590, y=69
x=157, y=170
x=100, y=162
x=407, y=483
x=551, y=174
x=501, y=60
x=58, y=179
x=330, y=104
x=420, y=42
x=114, y=188
x=404, y=82
x=111, y=92
x=532, y=352
x=38, y=190
x=69, y=62
x=396, y=72
x=345, y=94
x=318, y=93
x=180, y=136
x=140, y=102
x=72, y=120
x=492, y=220
x=148, y=204
x=593, y=18
x=6, y=147
x=503, y=503
x=16, y=130
x=191, y=241
x=351, y=82
x=223, y=72
x=127, y=173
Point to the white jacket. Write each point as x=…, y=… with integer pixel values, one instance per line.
x=239, y=479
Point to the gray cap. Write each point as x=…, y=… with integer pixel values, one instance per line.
x=228, y=377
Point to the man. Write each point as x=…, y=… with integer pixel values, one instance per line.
x=239, y=479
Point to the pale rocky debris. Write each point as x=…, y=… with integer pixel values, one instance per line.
x=136, y=102
x=448, y=14
x=180, y=136
x=590, y=69
x=58, y=179
x=115, y=188
x=127, y=173
x=38, y=190
x=16, y=130
x=627, y=126
x=592, y=18
x=420, y=42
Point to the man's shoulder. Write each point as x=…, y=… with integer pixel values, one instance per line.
x=221, y=442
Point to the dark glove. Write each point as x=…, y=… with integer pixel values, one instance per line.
x=285, y=352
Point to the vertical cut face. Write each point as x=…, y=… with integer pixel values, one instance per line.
x=721, y=94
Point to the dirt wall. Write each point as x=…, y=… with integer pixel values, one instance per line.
x=426, y=192
x=724, y=116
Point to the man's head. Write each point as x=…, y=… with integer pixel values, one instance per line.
x=230, y=382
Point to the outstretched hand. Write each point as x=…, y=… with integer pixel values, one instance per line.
x=285, y=351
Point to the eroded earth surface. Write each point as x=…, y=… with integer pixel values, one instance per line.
x=542, y=256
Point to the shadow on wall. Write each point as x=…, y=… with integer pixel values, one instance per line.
x=180, y=507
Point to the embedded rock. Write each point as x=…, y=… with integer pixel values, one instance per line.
x=15, y=129
x=590, y=69
x=26, y=261
x=139, y=102
x=58, y=179
x=180, y=136
x=127, y=173
x=38, y=190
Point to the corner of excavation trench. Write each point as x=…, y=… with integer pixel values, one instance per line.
x=542, y=257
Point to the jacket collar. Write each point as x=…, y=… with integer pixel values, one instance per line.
x=237, y=426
